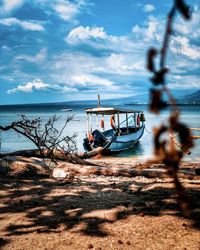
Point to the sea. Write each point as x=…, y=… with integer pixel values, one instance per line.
x=11, y=141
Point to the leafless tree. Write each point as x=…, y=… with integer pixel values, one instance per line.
x=47, y=138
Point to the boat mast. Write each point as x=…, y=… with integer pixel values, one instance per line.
x=99, y=101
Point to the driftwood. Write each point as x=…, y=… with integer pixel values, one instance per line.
x=90, y=154
x=23, y=167
x=77, y=158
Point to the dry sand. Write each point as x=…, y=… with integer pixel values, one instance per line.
x=119, y=204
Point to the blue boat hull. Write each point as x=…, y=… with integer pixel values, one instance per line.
x=125, y=142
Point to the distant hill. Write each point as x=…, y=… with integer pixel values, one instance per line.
x=193, y=98
x=138, y=99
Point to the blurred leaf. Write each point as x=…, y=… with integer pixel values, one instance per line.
x=156, y=102
x=150, y=59
x=183, y=8
x=172, y=159
x=159, y=76
x=183, y=132
x=159, y=146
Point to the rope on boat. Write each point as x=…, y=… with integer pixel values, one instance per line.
x=198, y=129
x=147, y=130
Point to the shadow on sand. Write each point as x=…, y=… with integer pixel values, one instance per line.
x=48, y=205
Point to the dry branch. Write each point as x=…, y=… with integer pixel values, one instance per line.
x=166, y=150
x=46, y=137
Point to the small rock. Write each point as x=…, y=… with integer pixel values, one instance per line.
x=142, y=214
x=184, y=224
x=128, y=243
x=150, y=204
x=90, y=246
x=120, y=242
x=59, y=173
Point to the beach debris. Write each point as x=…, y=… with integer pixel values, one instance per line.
x=22, y=166
x=59, y=173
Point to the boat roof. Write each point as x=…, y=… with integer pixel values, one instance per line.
x=110, y=111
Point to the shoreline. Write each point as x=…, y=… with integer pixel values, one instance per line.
x=121, y=156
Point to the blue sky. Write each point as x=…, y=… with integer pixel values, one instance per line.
x=60, y=50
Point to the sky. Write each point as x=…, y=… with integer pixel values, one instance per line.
x=61, y=50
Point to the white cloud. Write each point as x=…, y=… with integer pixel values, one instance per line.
x=29, y=87
x=110, y=73
x=184, y=82
x=39, y=85
x=97, y=38
x=38, y=58
x=84, y=33
x=27, y=25
x=79, y=70
x=124, y=64
x=151, y=31
x=91, y=80
x=181, y=46
x=68, y=10
x=10, y=5
x=111, y=63
x=6, y=48
x=190, y=29
x=149, y=8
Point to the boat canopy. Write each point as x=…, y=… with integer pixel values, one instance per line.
x=110, y=111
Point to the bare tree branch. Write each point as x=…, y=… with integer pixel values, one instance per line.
x=46, y=137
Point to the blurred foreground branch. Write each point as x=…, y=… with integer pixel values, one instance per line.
x=168, y=150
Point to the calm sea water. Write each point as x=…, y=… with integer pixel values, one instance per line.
x=10, y=140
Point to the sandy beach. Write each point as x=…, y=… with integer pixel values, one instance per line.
x=114, y=204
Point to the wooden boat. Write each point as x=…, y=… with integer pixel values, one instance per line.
x=120, y=136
